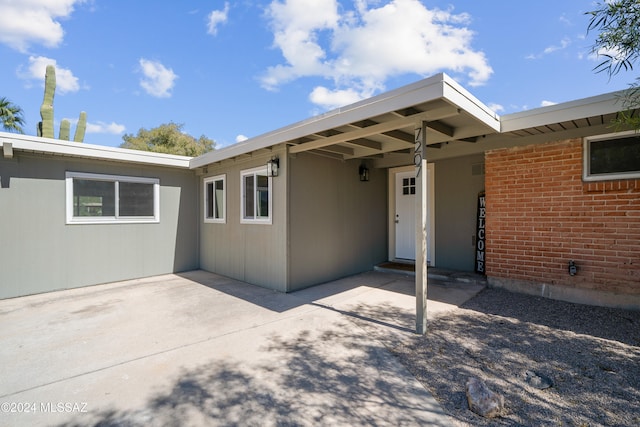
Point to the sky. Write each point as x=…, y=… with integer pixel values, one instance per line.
x=232, y=70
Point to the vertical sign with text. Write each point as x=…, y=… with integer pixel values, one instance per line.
x=481, y=234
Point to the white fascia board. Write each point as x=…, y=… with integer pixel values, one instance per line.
x=75, y=149
x=579, y=109
x=461, y=98
x=420, y=92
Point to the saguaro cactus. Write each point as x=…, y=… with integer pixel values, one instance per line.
x=45, y=127
x=65, y=130
x=81, y=127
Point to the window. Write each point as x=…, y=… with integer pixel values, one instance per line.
x=215, y=199
x=613, y=156
x=256, y=196
x=408, y=186
x=97, y=199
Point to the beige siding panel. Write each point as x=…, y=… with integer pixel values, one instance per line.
x=338, y=225
x=255, y=253
x=457, y=184
x=41, y=253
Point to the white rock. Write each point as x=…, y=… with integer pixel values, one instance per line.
x=482, y=400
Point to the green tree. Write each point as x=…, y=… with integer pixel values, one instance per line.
x=618, y=42
x=11, y=116
x=170, y=139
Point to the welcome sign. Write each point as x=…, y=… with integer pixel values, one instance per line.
x=481, y=234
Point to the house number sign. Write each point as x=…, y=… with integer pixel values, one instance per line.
x=418, y=151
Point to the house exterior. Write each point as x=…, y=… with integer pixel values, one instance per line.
x=522, y=198
x=44, y=248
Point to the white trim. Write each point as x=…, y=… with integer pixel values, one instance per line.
x=586, y=165
x=573, y=110
x=36, y=144
x=116, y=179
x=262, y=170
x=213, y=180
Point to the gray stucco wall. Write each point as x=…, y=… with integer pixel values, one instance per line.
x=338, y=225
x=41, y=253
x=458, y=182
x=255, y=253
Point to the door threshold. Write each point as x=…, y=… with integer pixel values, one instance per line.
x=397, y=265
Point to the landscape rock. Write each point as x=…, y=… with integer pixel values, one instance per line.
x=537, y=380
x=482, y=400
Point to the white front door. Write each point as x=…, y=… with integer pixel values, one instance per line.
x=405, y=215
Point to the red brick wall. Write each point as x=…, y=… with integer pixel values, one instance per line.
x=540, y=215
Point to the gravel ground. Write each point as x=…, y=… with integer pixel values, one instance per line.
x=592, y=355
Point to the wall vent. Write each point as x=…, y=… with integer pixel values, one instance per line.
x=477, y=169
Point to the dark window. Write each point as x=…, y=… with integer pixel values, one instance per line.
x=108, y=198
x=214, y=199
x=256, y=196
x=136, y=199
x=615, y=156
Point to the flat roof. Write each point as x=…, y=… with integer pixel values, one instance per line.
x=383, y=123
x=35, y=144
x=377, y=128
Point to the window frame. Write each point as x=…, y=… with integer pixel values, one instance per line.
x=586, y=155
x=116, y=218
x=212, y=180
x=261, y=170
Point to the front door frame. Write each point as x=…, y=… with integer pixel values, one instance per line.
x=431, y=250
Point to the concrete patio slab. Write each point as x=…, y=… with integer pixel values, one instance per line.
x=201, y=349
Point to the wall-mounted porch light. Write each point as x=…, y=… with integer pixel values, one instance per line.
x=272, y=167
x=364, y=173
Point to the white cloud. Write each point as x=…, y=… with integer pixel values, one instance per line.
x=241, y=138
x=613, y=55
x=65, y=80
x=102, y=127
x=216, y=18
x=496, y=108
x=360, y=49
x=547, y=103
x=564, y=43
x=330, y=99
x=23, y=23
x=157, y=80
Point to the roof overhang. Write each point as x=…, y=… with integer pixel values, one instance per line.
x=586, y=111
x=381, y=128
x=379, y=125
x=12, y=143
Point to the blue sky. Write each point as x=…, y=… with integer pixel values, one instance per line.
x=237, y=69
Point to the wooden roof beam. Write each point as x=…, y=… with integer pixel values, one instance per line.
x=354, y=135
x=441, y=127
x=366, y=143
x=338, y=149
